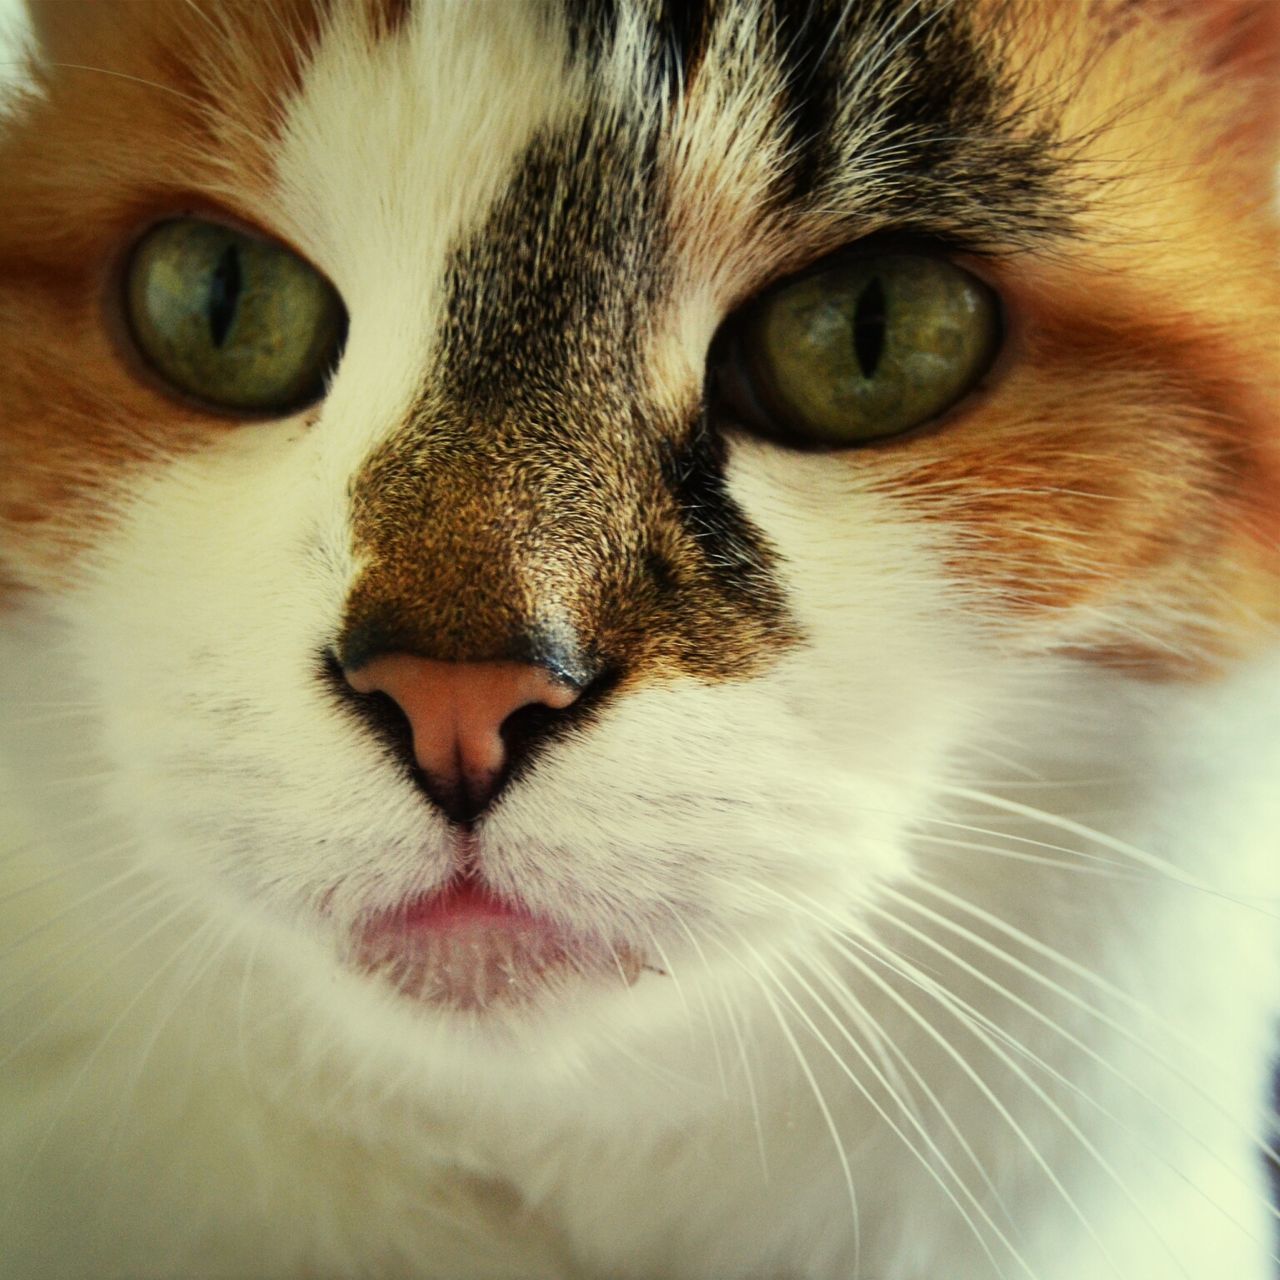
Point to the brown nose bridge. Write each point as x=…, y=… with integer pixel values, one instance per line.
x=466, y=558
x=456, y=711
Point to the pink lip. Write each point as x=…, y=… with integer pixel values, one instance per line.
x=463, y=947
x=461, y=903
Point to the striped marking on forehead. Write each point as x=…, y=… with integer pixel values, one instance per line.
x=908, y=110
x=554, y=287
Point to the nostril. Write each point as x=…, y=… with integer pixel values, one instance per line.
x=527, y=724
x=527, y=729
x=386, y=714
x=379, y=712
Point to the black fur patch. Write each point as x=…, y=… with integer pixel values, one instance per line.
x=682, y=31
x=808, y=53
x=677, y=30
x=693, y=471
x=592, y=27
x=952, y=143
x=967, y=159
x=559, y=277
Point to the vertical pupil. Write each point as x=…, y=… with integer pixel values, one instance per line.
x=224, y=294
x=869, y=326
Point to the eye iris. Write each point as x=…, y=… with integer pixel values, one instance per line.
x=237, y=321
x=224, y=294
x=869, y=324
x=867, y=348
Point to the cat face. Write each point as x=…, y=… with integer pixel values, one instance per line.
x=557, y=434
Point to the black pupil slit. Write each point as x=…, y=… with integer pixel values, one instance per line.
x=224, y=294
x=869, y=327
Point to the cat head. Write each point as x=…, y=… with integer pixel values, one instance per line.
x=667, y=446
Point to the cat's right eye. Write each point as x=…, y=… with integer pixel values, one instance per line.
x=862, y=348
x=234, y=320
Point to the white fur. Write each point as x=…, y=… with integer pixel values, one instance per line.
x=194, y=1086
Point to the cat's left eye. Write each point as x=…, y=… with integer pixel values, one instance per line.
x=237, y=321
x=864, y=348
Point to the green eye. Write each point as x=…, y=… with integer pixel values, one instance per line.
x=865, y=349
x=236, y=321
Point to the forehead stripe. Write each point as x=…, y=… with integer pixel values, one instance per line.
x=677, y=33
x=904, y=89
x=560, y=271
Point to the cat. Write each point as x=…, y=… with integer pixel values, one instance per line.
x=640, y=640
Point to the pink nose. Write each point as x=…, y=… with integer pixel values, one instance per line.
x=456, y=711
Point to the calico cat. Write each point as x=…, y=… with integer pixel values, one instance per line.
x=639, y=640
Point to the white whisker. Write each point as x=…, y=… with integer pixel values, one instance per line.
x=763, y=976
x=929, y=1141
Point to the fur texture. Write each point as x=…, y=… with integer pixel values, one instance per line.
x=935, y=780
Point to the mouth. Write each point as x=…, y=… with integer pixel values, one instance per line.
x=463, y=947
